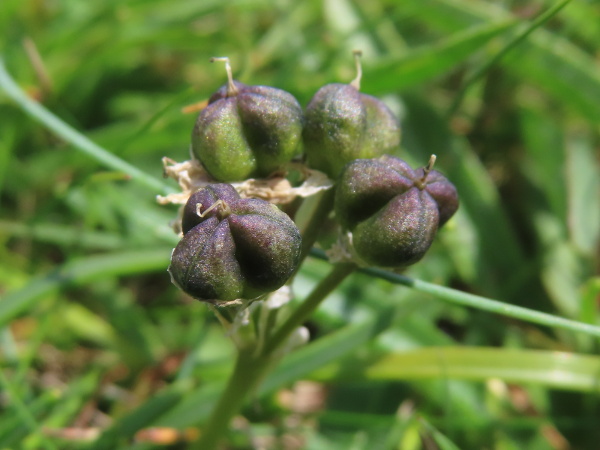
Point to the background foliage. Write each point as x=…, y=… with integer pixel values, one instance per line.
x=95, y=339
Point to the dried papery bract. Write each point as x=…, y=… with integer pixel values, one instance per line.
x=342, y=124
x=192, y=176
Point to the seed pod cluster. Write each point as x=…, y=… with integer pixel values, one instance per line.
x=233, y=248
x=392, y=210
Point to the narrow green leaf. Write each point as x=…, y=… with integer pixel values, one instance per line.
x=581, y=21
x=545, y=150
x=422, y=64
x=125, y=428
x=516, y=40
x=80, y=271
x=81, y=142
x=64, y=235
x=326, y=349
x=546, y=60
x=561, y=69
x=589, y=300
x=583, y=187
x=86, y=325
x=7, y=141
x=400, y=429
x=480, y=198
x=560, y=370
x=443, y=442
x=197, y=404
x=563, y=270
x=13, y=428
x=73, y=400
x=25, y=412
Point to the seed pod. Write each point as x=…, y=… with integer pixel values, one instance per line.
x=392, y=210
x=342, y=125
x=247, y=131
x=233, y=248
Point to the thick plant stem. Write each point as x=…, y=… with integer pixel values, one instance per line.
x=250, y=367
x=247, y=373
x=309, y=305
x=318, y=218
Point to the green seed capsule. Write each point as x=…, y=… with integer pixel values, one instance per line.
x=247, y=131
x=233, y=248
x=342, y=124
x=392, y=210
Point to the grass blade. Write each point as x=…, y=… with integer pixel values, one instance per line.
x=515, y=41
x=559, y=370
x=80, y=271
x=65, y=131
x=425, y=63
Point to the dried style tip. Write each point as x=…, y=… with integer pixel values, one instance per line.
x=231, y=87
x=430, y=164
x=356, y=82
x=422, y=182
x=392, y=211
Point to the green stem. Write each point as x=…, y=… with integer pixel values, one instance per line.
x=338, y=273
x=68, y=133
x=486, y=304
x=250, y=367
x=247, y=372
x=315, y=224
x=476, y=301
x=23, y=411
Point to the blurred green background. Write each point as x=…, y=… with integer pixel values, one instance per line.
x=96, y=341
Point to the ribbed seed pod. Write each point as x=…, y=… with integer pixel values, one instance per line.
x=392, y=210
x=233, y=248
x=247, y=131
x=342, y=124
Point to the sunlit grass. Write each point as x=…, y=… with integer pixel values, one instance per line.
x=95, y=337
